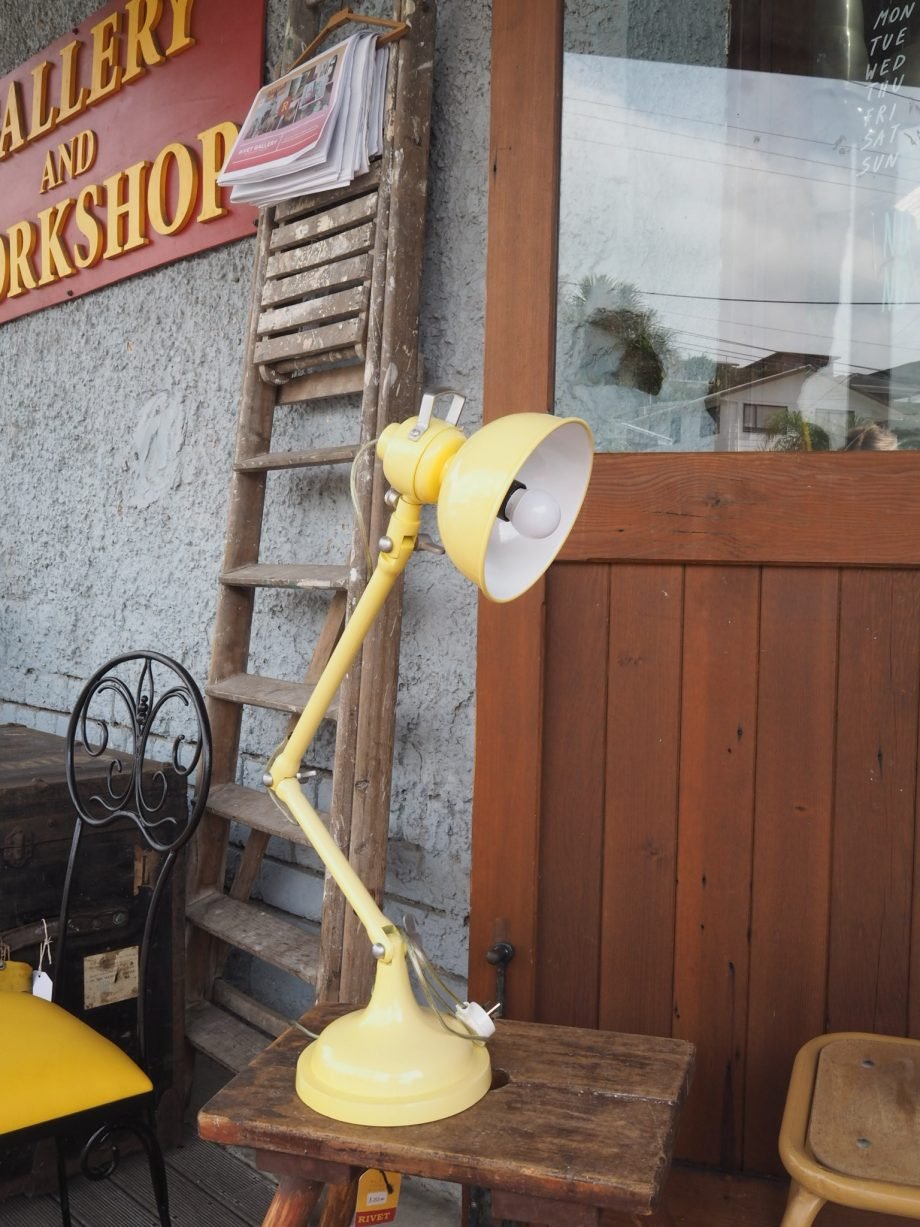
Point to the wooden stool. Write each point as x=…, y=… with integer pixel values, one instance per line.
x=851, y=1128
x=577, y=1121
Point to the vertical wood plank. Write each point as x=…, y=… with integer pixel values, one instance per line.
x=518, y=375
x=640, y=842
x=792, y=838
x=873, y=854
x=572, y=810
x=718, y=735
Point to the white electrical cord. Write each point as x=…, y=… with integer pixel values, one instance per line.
x=477, y=1023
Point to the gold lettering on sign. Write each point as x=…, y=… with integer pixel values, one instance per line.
x=22, y=244
x=182, y=27
x=55, y=262
x=89, y=255
x=141, y=46
x=124, y=202
x=74, y=157
x=11, y=134
x=117, y=215
x=44, y=118
x=186, y=177
x=123, y=45
x=105, y=75
x=215, y=145
x=73, y=100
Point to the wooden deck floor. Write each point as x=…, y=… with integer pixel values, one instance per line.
x=213, y=1187
x=208, y=1187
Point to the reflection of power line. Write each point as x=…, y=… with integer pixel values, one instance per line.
x=773, y=153
x=757, y=170
x=732, y=346
x=784, y=302
x=779, y=302
x=716, y=123
x=789, y=329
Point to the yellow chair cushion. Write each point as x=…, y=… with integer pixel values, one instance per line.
x=15, y=978
x=53, y=1065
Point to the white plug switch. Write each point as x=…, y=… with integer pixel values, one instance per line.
x=475, y=1019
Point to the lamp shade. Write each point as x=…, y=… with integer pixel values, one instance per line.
x=509, y=498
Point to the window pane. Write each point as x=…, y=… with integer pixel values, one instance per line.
x=739, y=255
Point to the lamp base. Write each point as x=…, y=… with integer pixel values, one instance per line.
x=392, y=1063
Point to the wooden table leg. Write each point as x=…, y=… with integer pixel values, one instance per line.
x=293, y=1202
x=339, y=1207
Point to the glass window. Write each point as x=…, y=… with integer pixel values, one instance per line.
x=739, y=252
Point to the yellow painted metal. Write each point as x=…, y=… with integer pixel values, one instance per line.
x=812, y=1181
x=392, y=1063
x=476, y=484
x=403, y=531
x=415, y=466
x=395, y=1063
x=15, y=977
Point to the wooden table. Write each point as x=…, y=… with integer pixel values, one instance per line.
x=577, y=1121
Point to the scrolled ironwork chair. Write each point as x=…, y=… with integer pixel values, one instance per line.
x=60, y=1077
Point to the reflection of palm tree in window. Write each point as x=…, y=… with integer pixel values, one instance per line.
x=790, y=431
x=618, y=340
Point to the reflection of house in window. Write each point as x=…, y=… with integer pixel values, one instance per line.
x=755, y=418
x=798, y=390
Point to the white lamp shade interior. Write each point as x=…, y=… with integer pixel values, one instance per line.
x=509, y=498
x=560, y=467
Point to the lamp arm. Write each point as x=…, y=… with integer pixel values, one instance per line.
x=281, y=773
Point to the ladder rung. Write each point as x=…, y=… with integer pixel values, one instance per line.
x=298, y=460
x=316, y=385
x=255, y=809
x=321, y=252
x=322, y=200
x=315, y=311
x=223, y=1037
x=250, y=1011
x=247, y=927
x=270, y=692
x=346, y=335
x=319, y=280
x=324, y=222
x=286, y=575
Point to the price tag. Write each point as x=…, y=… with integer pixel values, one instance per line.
x=41, y=985
x=378, y=1196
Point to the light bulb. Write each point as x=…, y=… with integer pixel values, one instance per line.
x=533, y=513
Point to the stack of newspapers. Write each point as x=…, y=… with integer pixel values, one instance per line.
x=314, y=129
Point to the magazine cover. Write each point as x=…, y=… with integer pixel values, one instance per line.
x=289, y=118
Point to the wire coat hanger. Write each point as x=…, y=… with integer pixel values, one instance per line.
x=397, y=29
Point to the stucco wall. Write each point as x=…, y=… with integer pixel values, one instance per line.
x=117, y=416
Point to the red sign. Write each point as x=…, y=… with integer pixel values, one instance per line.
x=111, y=140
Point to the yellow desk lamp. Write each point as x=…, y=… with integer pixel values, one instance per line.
x=506, y=499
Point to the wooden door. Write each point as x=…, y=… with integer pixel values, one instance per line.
x=696, y=759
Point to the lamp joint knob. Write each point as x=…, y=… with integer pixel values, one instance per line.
x=385, y=545
x=267, y=779
x=391, y=498
x=378, y=950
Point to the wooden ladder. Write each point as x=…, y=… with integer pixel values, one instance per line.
x=334, y=313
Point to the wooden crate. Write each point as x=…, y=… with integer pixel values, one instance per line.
x=107, y=910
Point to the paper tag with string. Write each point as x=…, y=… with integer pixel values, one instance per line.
x=41, y=981
x=378, y=1197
